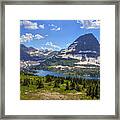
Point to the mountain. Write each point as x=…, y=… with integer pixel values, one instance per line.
x=25, y=53
x=32, y=49
x=32, y=54
x=85, y=46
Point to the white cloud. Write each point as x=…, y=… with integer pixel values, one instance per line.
x=42, y=26
x=44, y=48
x=89, y=24
x=54, y=27
x=46, y=35
x=28, y=37
x=58, y=29
x=52, y=46
x=28, y=24
x=38, y=37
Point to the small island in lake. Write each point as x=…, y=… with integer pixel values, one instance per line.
x=59, y=60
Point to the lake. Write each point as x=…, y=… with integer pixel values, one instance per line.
x=48, y=72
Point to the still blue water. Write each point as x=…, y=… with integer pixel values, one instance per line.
x=47, y=72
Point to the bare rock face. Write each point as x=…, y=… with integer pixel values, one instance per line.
x=86, y=45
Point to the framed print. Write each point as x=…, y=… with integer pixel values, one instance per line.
x=60, y=60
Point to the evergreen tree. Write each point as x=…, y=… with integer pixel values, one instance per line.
x=77, y=88
x=56, y=84
x=97, y=92
x=72, y=85
x=48, y=78
x=67, y=86
x=89, y=91
x=40, y=84
x=92, y=92
x=26, y=82
x=62, y=81
x=84, y=84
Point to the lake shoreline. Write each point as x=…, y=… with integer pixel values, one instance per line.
x=60, y=74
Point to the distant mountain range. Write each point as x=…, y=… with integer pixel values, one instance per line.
x=32, y=54
x=86, y=46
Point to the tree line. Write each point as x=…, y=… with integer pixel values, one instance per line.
x=90, y=87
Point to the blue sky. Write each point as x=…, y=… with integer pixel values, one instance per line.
x=55, y=34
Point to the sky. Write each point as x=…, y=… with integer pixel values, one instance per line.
x=55, y=34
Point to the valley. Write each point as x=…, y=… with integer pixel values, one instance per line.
x=71, y=73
